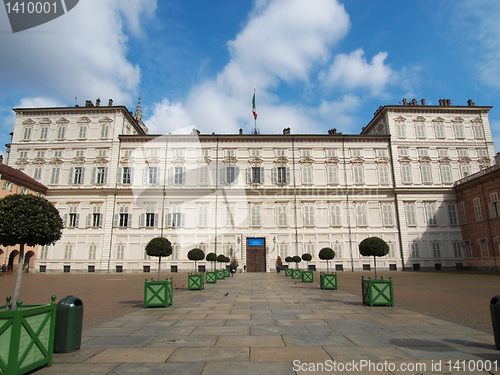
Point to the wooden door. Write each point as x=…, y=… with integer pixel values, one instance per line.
x=256, y=255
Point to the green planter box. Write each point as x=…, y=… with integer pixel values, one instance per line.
x=195, y=281
x=328, y=281
x=211, y=277
x=307, y=276
x=288, y=272
x=158, y=293
x=227, y=273
x=221, y=274
x=26, y=337
x=377, y=292
x=296, y=274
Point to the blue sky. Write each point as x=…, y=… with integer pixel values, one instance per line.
x=317, y=64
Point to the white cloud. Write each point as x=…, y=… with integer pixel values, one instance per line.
x=343, y=113
x=168, y=117
x=39, y=102
x=353, y=71
x=82, y=53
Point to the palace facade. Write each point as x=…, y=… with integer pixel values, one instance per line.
x=252, y=196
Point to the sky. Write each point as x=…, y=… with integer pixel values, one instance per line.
x=315, y=65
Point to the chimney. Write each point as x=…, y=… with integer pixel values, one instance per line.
x=423, y=102
x=286, y=131
x=240, y=131
x=497, y=159
x=405, y=102
x=414, y=101
x=110, y=103
x=98, y=102
x=470, y=103
x=88, y=103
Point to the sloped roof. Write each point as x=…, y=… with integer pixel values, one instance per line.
x=20, y=178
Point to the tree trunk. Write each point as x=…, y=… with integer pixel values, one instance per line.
x=159, y=267
x=195, y=266
x=17, y=288
x=327, y=266
x=375, y=264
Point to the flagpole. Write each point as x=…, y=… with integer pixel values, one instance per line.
x=254, y=110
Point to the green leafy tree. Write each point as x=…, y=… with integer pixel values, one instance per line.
x=297, y=260
x=31, y=220
x=375, y=247
x=196, y=255
x=221, y=258
x=289, y=260
x=326, y=254
x=212, y=257
x=307, y=258
x=159, y=247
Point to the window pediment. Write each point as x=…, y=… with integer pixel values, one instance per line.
x=83, y=120
x=105, y=120
x=28, y=122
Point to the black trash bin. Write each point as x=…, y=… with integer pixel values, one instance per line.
x=69, y=320
x=495, y=319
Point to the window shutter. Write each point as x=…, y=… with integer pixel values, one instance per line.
x=105, y=179
x=171, y=176
x=491, y=208
x=249, y=175
x=119, y=175
x=131, y=175
x=142, y=218
x=89, y=220
x=145, y=176
x=116, y=220
x=262, y=174
x=184, y=175
x=158, y=176
x=275, y=175
x=288, y=179
x=101, y=218
x=77, y=221
x=236, y=174
x=223, y=172
x=183, y=220
x=65, y=220
x=129, y=222
x=156, y=220
x=70, y=177
x=83, y=175
x=94, y=171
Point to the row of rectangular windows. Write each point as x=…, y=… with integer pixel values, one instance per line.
x=420, y=129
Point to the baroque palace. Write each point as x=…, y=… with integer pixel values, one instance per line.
x=252, y=196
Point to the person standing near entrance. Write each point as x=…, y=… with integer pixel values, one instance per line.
x=4, y=269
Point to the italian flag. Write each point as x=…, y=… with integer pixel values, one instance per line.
x=254, y=111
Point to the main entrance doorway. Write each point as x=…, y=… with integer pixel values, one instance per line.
x=256, y=254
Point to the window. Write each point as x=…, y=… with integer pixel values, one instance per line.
x=104, y=131
x=126, y=177
x=79, y=153
x=283, y=250
x=423, y=152
x=383, y=174
x=406, y=173
x=461, y=210
x=309, y=215
x=404, y=152
x=381, y=153
x=175, y=251
x=401, y=130
x=426, y=173
x=442, y=152
x=459, y=130
x=73, y=217
x=336, y=215
x=44, y=130
x=281, y=175
x=462, y=152
x=446, y=173
x=27, y=133
x=37, y=174
x=176, y=175
x=58, y=154
x=95, y=219
x=102, y=153
x=123, y=218
x=309, y=249
x=23, y=154
x=307, y=172
x=68, y=249
x=387, y=216
x=126, y=153
x=280, y=153
x=255, y=153
x=255, y=175
x=175, y=218
x=361, y=215
x=92, y=252
x=306, y=153
x=230, y=153
x=477, y=209
x=420, y=129
x=40, y=154
x=337, y=247
x=231, y=175
x=356, y=152
x=493, y=206
x=202, y=215
x=430, y=212
x=282, y=211
x=61, y=133
x=120, y=251
x=468, y=249
x=151, y=175
x=149, y=219
x=358, y=176
x=54, y=176
x=332, y=174
x=439, y=129
x=478, y=131
x=415, y=250
x=457, y=249
x=436, y=249
x=101, y=175
x=78, y=175
x=482, y=153
x=485, y=253
x=82, y=132
x=229, y=215
x=255, y=215
x=7, y=185
x=465, y=170
x=203, y=173
x=179, y=153
x=411, y=215
x=452, y=214
x=24, y=190
x=44, y=252
x=331, y=153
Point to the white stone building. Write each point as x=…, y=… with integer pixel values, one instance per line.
x=252, y=196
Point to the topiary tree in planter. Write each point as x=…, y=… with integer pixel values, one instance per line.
x=296, y=259
x=375, y=247
x=212, y=257
x=327, y=254
x=289, y=260
x=159, y=247
x=31, y=220
x=307, y=258
x=196, y=255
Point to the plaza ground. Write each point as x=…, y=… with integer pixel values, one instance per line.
x=461, y=297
